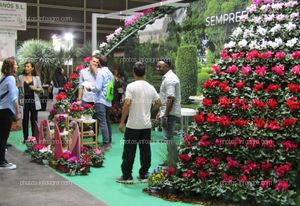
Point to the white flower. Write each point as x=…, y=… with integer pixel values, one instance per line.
x=277, y=6
x=243, y=43
x=45, y=149
x=290, y=26
x=294, y=16
x=272, y=44
x=103, y=44
x=243, y=18
x=251, y=8
x=279, y=41
x=276, y=28
x=109, y=37
x=262, y=31
x=264, y=44
x=118, y=31
x=237, y=32
x=248, y=33
x=253, y=44
x=269, y=17
x=257, y=20
x=229, y=45
x=280, y=17
x=292, y=42
x=291, y=4
x=96, y=52
x=265, y=8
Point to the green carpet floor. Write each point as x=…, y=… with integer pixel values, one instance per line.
x=101, y=181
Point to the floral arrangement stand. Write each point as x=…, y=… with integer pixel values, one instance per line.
x=92, y=125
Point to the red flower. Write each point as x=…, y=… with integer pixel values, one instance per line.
x=259, y=123
x=211, y=118
x=279, y=70
x=61, y=96
x=203, y=175
x=223, y=86
x=87, y=59
x=84, y=149
x=224, y=121
x=185, y=157
x=289, y=145
x=224, y=55
x=265, y=184
x=38, y=147
x=66, y=156
x=258, y=87
x=273, y=125
x=199, y=162
x=219, y=142
x=215, y=69
x=243, y=179
x=240, y=85
x=282, y=169
x=232, y=163
x=288, y=122
x=188, y=173
x=258, y=104
x=227, y=179
x=296, y=70
x=266, y=55
x=279, y=55
x=268, y=144
x=235, y=56
x=242, y=54
x=260, y=70
x=266, y=165
x=215, y=163
x=88, y=106
x=252, y=143
x=204, y=141
x=246, y=70
x=249, y=167
x=207, y=102
x=253, y=54
x=294, y=88
x=171, y=170
x=272, y=103
x=293, y=104
x=224, y=102
x=295, y=55
x=80, y=67
x=74, y=76
x=232, y=69
x=272, y=88
x=238, y=102
x=240, y=122
x=148, y=11
x=199, y=119
x=189, y=138
x=282, y=185
x=210, y=84
x=68, y=86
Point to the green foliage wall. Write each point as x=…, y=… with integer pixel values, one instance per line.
x=186, y=69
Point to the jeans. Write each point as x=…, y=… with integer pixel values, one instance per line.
x=29, y=107
x=168, y=133
x=6, y=119
x=102, y=114
x=134, y=137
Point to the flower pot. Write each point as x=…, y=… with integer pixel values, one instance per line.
x=45, y=162
x=87, y=117
x=153, y=190
x=61, y=129
x=62, y=169
x=98, y=164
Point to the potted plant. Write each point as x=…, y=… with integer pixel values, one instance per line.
x=155, y=181
x=88, y=111
x=97, y=157
x=76, y=110
x=61, y=122
x=30, y=142
x=41, y=154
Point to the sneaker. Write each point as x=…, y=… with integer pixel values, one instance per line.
x=142, y=180
x=8, y=166
x=106, y=147
x=124, y=181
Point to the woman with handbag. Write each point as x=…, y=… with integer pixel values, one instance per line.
x=9, y=107
x=31, y=87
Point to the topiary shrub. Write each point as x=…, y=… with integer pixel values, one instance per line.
x=186, y=69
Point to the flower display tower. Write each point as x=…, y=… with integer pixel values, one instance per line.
x=244, y=144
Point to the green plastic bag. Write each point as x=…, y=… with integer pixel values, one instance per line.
x=110, y=91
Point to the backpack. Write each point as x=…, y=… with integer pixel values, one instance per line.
x=110, y=91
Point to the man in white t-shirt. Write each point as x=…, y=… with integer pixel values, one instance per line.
x=139, y=97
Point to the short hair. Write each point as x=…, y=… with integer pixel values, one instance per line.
x=8, y=66
x=166, y=61
x=139, y=69
x=103, y=60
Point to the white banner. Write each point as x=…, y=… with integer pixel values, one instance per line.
x=7, y=44
x=13, y=15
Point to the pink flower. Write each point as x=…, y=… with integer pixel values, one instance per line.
x=224, y=55
x=72, y=159
x=279, y=70
x=295, y=55
x=246, y=70
x=265, y=184
x=31, y=139
x=282, y=185
x=279, y=55
x=87, y=59
x=97, y=151
x=296, y=70
x=260, y=70
x=232, y=69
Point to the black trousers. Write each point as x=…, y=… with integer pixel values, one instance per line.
x=29, y=107
x=6, y=119
x=134, y=137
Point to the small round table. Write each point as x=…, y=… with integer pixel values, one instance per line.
x=186, y=113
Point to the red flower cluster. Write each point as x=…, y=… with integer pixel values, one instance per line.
x=295, y=55
x=232, y=163
x=258, y=87
x=292, y=104
x=289, y=145
x=240, y=84
x=253, y=54
x=224, y=55
x=211, y=118
x=240, y=122
x=224, y=102
x=279, y=55
x=240, y=103
x=199, y=162
x=189, y=138
x=232, y=69
x=68, y=86
x=227, y=179
x=38, y=147
x=272, y=103
x=282, y=185
x=266, y=55
x=268, y=144
x=296, y=70
x=258, y=104
x=207, y=102
x=279, y=70
x=246, y=70
x=224, y=121
x=266, y=165
x=60, y=96
x=282, y=169
x=265, y=184
x=78, y=68
x=199, y=119
x=288, y=122
x=259, y=123
x=250, y=166
x=214, y=162
x=273, y=125
x=185, y=157
x=203, y=175
x=272, y=88
x=88, y=106
x=294, y=88
x=260, y=70
x=188, y=173
x=74, y=76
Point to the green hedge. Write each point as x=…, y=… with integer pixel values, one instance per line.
x=186, y=69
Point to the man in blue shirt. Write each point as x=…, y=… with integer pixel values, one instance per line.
x=102, y=105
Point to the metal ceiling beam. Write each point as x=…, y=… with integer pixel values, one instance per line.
x=120, y=15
